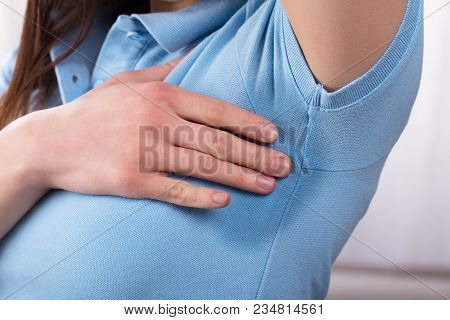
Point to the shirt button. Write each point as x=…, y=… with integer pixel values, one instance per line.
x=133, y=35
x=98, y=82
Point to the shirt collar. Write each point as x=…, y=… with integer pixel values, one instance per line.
x=176, y=30
x=172, y=30
x=72, y=72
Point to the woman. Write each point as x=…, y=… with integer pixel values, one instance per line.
x=339, y=112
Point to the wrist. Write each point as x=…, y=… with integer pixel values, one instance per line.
x=22, y=152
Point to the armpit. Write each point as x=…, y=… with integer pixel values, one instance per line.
x=342, y=39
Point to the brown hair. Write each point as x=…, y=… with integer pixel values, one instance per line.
x=46, y=21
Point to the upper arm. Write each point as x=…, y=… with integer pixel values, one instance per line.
x=342, y=39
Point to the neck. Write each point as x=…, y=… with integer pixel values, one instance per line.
x=164, y=5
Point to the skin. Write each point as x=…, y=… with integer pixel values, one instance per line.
x=340, y=39
x=168, y=5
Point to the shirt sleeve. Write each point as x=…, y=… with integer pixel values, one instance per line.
x=339, y=140
x=6, y=70
x=350, y=128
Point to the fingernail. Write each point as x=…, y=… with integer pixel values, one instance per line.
x=269, y=131
x=265, y=183
x=220, y=197
x=280, y=165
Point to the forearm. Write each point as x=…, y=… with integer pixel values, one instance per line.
x=341, y=39
x=20, y=187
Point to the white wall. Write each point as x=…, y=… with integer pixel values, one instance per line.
x=10, y=24
x=409, y=219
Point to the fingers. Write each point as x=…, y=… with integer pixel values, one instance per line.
x=203, y=166
x=184, y=194
x=157, y=73
x=227, y=147
x=217, y=113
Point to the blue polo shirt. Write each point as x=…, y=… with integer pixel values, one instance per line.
x=74, y=246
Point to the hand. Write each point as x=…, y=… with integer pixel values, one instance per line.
x=125, y=136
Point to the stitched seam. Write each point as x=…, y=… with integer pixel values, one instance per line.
x=242, y=77
x=274, y=241
x=353, y=170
